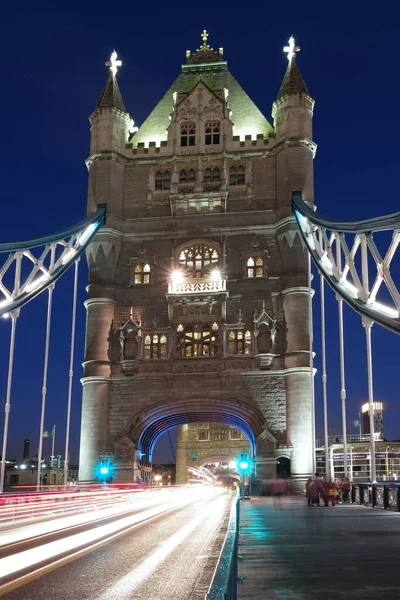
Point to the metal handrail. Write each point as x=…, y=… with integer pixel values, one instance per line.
x=223, y=585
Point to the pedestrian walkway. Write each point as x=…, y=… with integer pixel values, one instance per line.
x=297, y=552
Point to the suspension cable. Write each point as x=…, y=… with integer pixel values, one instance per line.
x=310, y=338
x=44, y=388
x=71, y=373
x=7, y=408
x=324, y=376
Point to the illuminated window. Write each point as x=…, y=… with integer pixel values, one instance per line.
x=188, y=134
x=197, y=340
x=142, y=273
x=203, y=436
x=236, y=175
x=235, y=434
x=197, y=261
x=239, y=341
x=155, y=346
x=187, y=176
x=163, y=180
x=212, y=130
x=255, y=267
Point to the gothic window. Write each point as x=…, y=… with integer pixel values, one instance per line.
x=155, y=346
x=218, y=435
x=163, y=180
x=198, y=260
x=263, y=340
x=203, y=436
x=197, y=340
x=239, y=341
x=188, y=134
x=235, y=434
x=212, y=130
x=255, y=267
x=187, y=176
x=211, y=175
x=142, y=273
x=236, y=175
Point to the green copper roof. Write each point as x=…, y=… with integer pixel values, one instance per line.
x=246, y=117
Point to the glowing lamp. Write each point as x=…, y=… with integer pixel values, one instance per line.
x=177, y=276
x=243, y=465
x=215, y=274
x=104, y=470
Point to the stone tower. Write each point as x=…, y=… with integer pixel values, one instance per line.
x=197, y=309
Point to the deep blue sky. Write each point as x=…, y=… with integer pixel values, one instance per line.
x=53, y=71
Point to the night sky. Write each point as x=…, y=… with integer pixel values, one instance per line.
x=53, y=72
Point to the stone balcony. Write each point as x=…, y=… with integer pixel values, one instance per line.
x=196, y=286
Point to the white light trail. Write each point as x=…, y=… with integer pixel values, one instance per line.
x=29, y=558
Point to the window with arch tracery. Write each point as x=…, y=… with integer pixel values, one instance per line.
x=211, y=175
x=212, y=131
x=199, y=339
x=188, y=134
x=236, y=175
x=163, y=180
x=239, y=341
x=187, y=176
x=198, y=260
x=142, y=273
x=255, y=267
x=155, y=346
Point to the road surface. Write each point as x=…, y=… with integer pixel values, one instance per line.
x=170, y=556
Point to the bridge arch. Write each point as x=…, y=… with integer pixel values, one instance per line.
x=153, y=421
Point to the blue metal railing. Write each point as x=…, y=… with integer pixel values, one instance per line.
x=224, y=582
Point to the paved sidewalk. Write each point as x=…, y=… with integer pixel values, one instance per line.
x=306, y=553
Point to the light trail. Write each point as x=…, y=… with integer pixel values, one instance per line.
x=73, y=521
x=79, y=543
x=131, y=581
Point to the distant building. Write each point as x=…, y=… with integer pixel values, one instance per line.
x=378, y=419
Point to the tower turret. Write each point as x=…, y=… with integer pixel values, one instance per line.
x=110, y=125
x=292, y=112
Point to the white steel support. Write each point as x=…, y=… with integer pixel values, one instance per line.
x=343, y=387
x=70, y=373
x=44, y=388
x=324, y=376
x=310, y=337
x=368, y=324
x=7, y=408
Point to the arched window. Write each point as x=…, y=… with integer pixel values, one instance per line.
x=212, y=131
x=198, y=260
x=142, y=273
x=215, y=174
x=200, y=339
x=155, y=346
x=207, y=175
x=183, y=176
x=191, y=176
x=236, y=175
x=163, y=180
x=255, y=267
x=239, y=341
x=263, y=340
x=188, y=134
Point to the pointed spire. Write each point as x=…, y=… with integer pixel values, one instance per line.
x=111, y=95
x=292, y=83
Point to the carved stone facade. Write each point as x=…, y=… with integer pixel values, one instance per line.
x=197, y=305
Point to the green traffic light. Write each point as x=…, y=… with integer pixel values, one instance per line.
x=243, y=465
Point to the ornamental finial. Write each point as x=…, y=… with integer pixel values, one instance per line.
x=113, y=63
x=291, y=49
x=204, y=37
